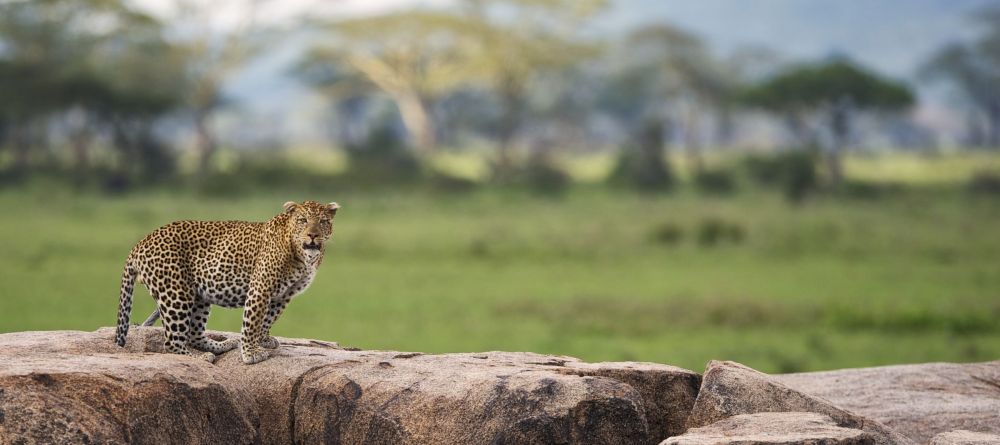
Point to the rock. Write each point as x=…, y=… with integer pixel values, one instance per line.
x=773, y=429
x=730, y=389
x=919, y=401
x=78, y=387
x=961, y=437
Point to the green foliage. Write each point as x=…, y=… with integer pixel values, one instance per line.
x=382, y=158
x=714, y=231
x=641, y=164
x=809, y=87
x=541, y=174
x=716, y=182
x=642, y=170
x=793, y=172
x=985, y=183
x=667, y=233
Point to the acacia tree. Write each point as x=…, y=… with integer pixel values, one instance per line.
x=207, y=57
x=510, y=44
x=830, y=93
x=346, y=88
x=416, y=57
x=973, y=69
x=674, y=79
x=413, y=57
x=70, y=61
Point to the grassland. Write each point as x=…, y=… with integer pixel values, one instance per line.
x=594, y=273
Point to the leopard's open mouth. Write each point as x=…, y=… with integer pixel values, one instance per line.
x=312, y=245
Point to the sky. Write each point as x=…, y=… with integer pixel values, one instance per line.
x=893, y=36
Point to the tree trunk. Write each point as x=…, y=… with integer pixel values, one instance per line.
x=205, y=144
x=21, y=135
x=418, y=122
x=692, y=141
x=509, y=124
x=840, y=130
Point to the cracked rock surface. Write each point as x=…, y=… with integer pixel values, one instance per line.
x=920, y=401
x=78, y=387
x=730, y=389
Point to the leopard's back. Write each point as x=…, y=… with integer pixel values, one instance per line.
x=213, y=258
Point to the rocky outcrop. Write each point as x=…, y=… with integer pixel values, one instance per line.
x=773, y=429
x=78, y=387
x=730, y=389
x=919, y=401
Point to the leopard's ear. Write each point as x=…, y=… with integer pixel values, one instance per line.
x=333, y=207
x=289, y=206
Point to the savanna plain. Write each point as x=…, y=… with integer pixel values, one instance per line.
x=896, y=274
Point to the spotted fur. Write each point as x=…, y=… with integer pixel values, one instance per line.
x=260, y=266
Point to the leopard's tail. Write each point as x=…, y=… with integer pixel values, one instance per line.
x=125, y=302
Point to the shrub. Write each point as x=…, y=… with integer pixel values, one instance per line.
x=867, y=190
x=985, y=183
x=445, y=182
x=712, y=231
x=641, y=163
x=718, y=182
x=542, y=175
x=667, y=233
x=382, y=157
x=793, y=171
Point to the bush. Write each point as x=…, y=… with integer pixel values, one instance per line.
x=667, y=233
x=867, y=190
x=793, y=171
x=713, y=231
x=445, y=182
x=718, y=182
x=542, y=175
x=382, y=157
x=641, y=163
x=985, y=183
x=642, y=170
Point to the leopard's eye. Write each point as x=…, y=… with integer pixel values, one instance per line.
x=325, y=221
x=302, y=221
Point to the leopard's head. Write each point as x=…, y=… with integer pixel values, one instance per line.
x=310, y=225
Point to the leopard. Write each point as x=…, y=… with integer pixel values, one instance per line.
x=188, y=266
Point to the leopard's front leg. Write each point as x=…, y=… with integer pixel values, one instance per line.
x=253, y=331
x=274, y=310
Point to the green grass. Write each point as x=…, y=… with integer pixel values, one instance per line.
x=834, y=283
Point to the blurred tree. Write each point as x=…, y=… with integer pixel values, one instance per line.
x=418, y=57
x=346, y=88
x=510, y=43
x=974, y=69
x=642, y=164
x=666, y=72
x=69, y=61
x=411, y=56
x=210, y=56
x=833, y=91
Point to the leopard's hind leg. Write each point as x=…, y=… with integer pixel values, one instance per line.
x=176, y=303
x=198, y=339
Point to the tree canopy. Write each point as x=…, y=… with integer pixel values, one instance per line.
x=809, y=87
